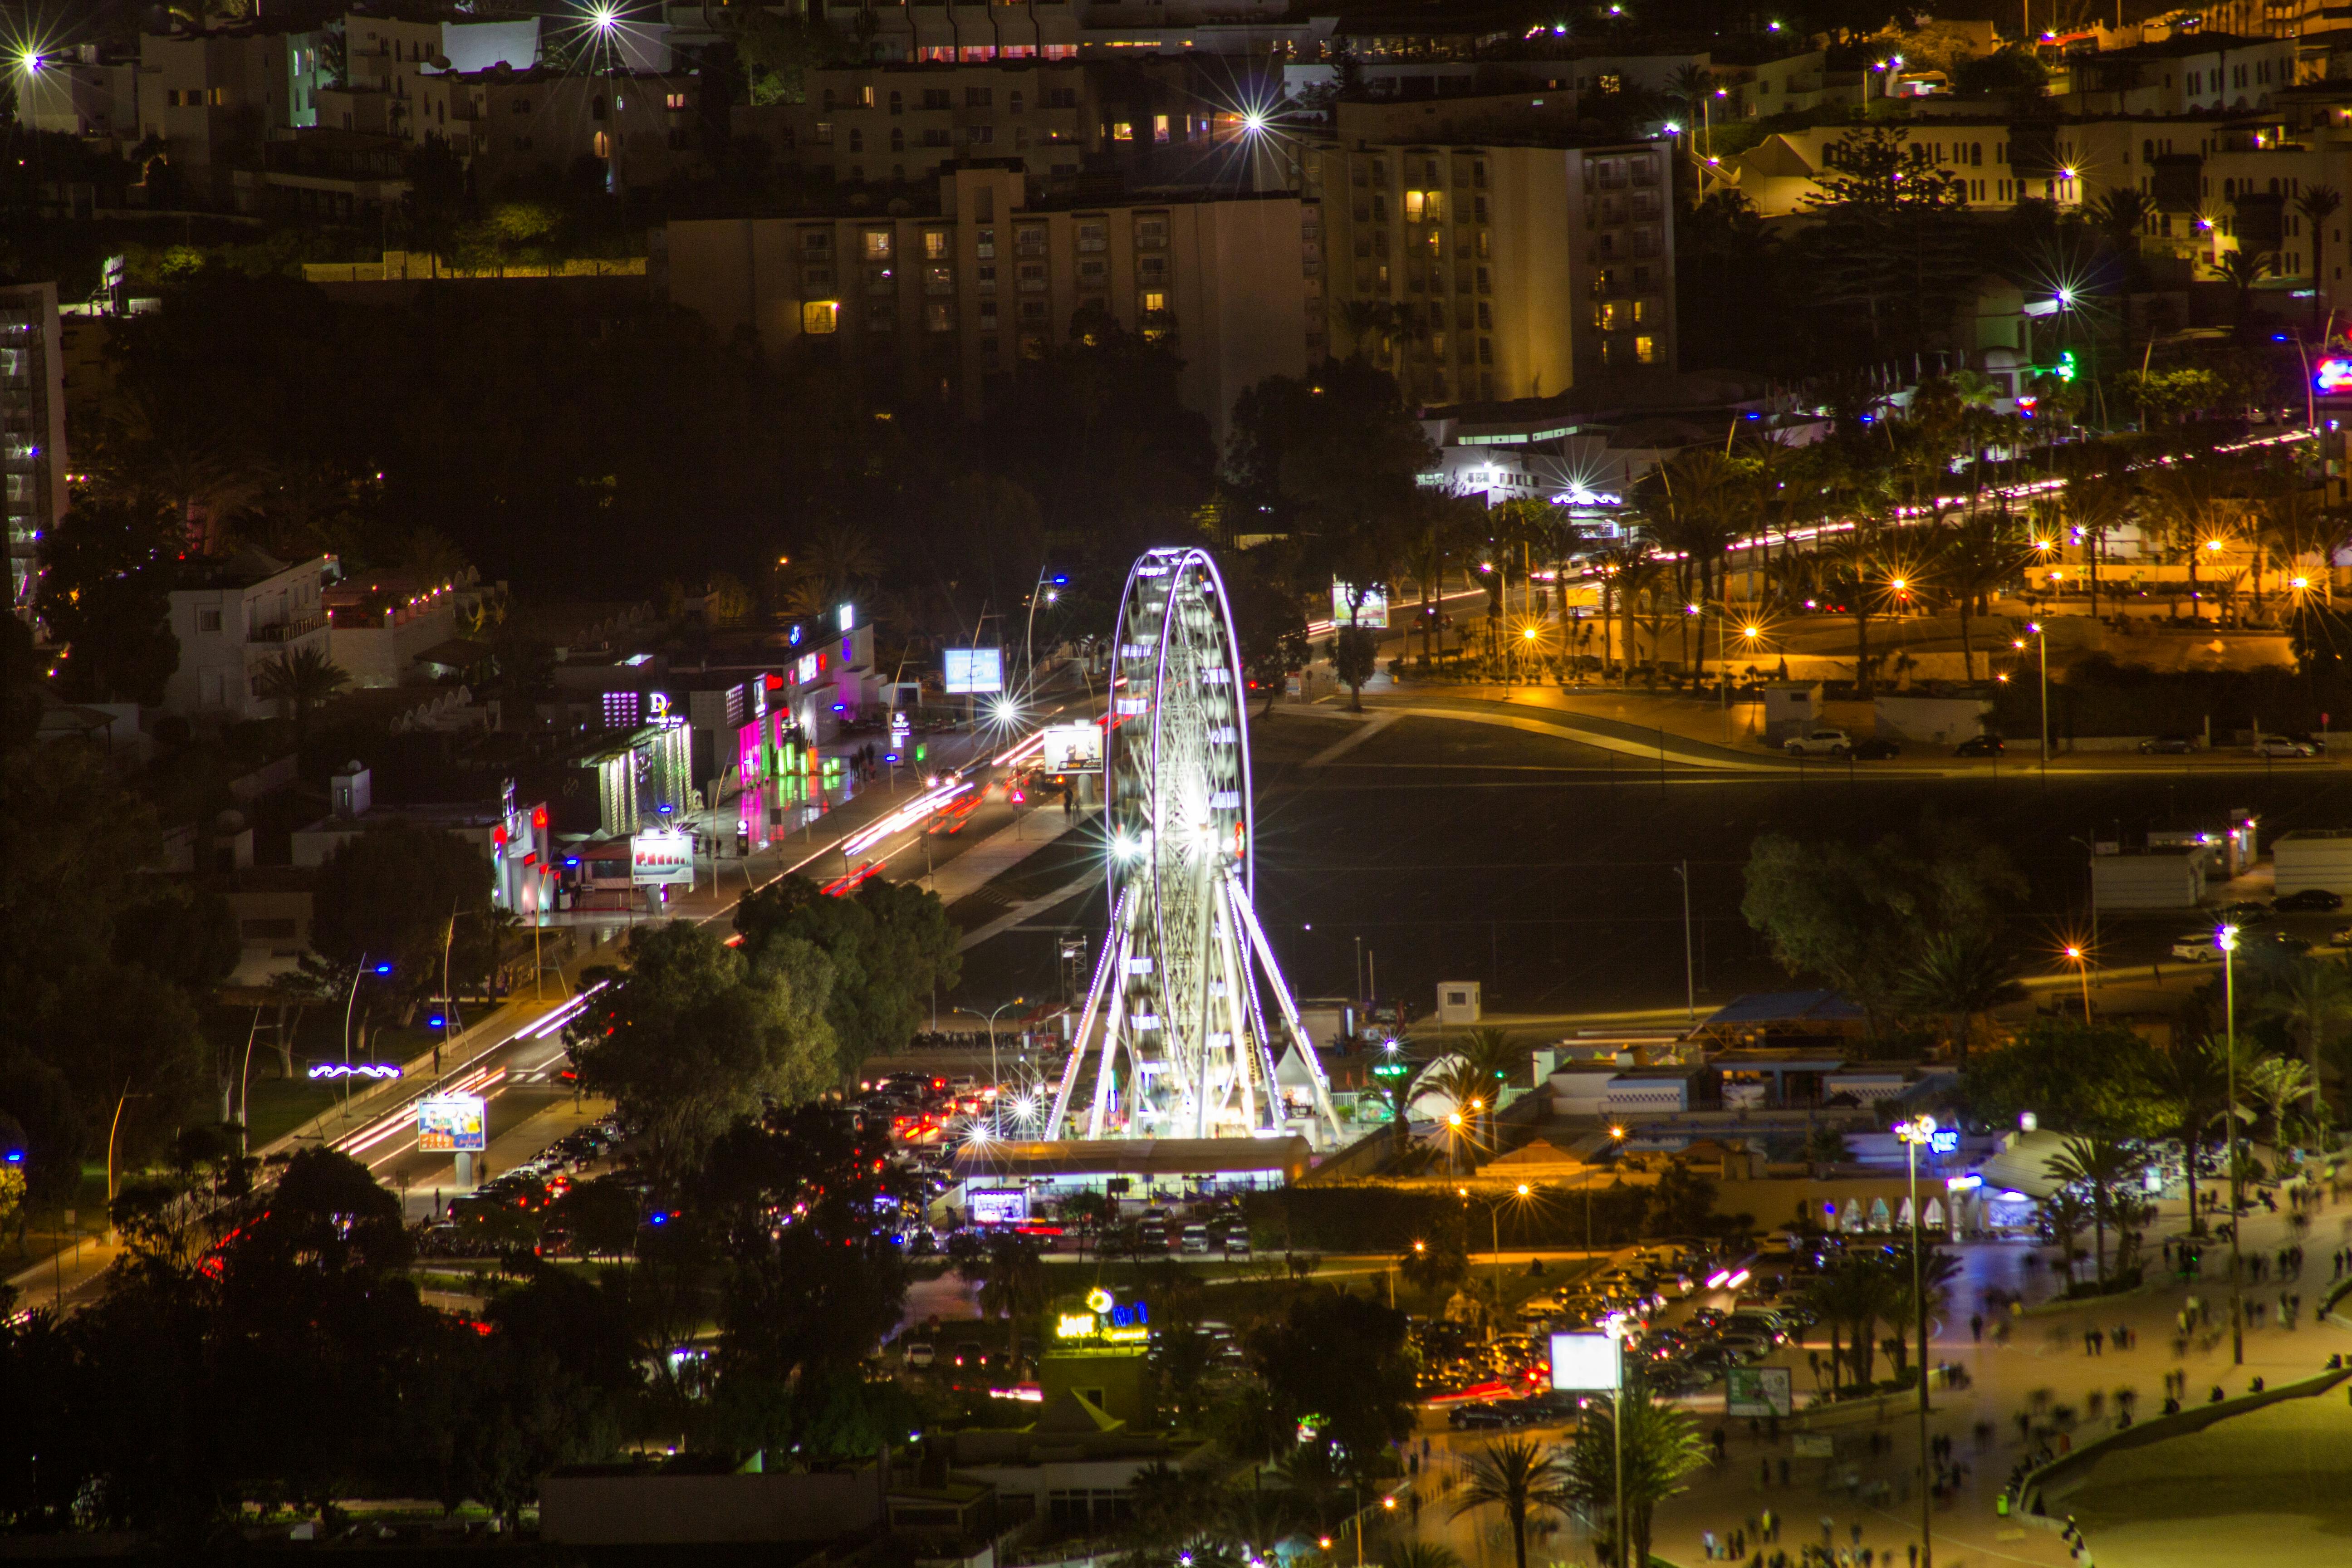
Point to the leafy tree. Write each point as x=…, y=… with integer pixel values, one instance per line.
x=2011, y=69
x=1683, y=1202
x=1354, y=658
x=1894, y=240
x=2078, y=1078
x=891, y=949
x=1267, y=620
x=108, y=568
x=1322, y=1329
x=1011, y=1274
x=1660, y=1449
x=1437, y=1265
x=1519, y=1476
x=695, y=1035
x=408, y=895
x=2312, y=996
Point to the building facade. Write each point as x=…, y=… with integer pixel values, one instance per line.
x=32, y=431
x=1493, y=273
x=945, y=303
x=250, y=612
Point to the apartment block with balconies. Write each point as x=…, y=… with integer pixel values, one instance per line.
x=240, y=617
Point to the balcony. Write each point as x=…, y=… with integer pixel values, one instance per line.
x=287, y=631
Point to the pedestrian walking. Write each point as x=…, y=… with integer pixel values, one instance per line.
x=1784, y=1473
x=1976, y=1327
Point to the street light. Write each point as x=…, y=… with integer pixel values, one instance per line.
x=2041, y=640
x=1914, y=1132
x=996, y=1083
x=2081, y=958
x=2227, y=940
x=1615, y=1326
x=1617, y=1145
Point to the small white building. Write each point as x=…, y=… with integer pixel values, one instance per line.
x=247, y=612
x=2158, y=879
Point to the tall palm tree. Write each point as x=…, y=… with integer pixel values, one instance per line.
x=1519, y=1476
x=2103, y=1165
x=1419, y=1555
x=1979, y=557
x=2277, y=1082
x=2066, y=1212
x=2192, y=1084
x=300, y=681
x=1627, y=572
x=2311, y=996
x=2241, y=270
x=1938, y=1270
x=1494, y=1054
x=2317, y=204
x=1963, y=975
x=1469, y=1088
x=1660, y=1449
x=2120, y=214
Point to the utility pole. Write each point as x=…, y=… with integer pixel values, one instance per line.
x=1690, y=965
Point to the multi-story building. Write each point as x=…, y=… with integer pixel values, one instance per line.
x=644, y=126
x=214, y=100
x=1152, y=119
x=243, y=612
x=81, y=92
x=1493, y=272
x=946, y=302
x=32, y=431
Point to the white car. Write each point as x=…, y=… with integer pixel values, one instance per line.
x=1819, y=744
x=2280, y=746
x=2197, y=947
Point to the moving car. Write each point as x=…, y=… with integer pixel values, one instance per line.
x=2308, y=900
x=2196, y=946
x=1980, y=746
x=2282, y=746
x=2166, y=746
x=1819, y=744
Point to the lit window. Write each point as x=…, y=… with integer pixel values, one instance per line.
x=820, y=317
x=1160, y=128
x=1154, y=300
x=1413, y=207
x=937, y=243
x=878, y=244
x=1646, y=349
x=1122, y=131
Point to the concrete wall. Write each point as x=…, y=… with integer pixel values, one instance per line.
x=1939, y=721
x=2159, y=880
x=656, y=1510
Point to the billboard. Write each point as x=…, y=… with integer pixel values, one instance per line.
x=660, y=856
x=451, y=1124
x=1074, y=748
x=997, y=1206
x=1757, y=1391
x=975, y=670
x=1585, y=1362
x=1373, y=612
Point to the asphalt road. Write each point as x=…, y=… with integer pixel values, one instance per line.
x=1549, y=870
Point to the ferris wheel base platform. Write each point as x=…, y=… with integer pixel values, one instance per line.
x=1162, y=1164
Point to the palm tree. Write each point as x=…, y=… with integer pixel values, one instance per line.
x=1937, y=1270
x=1467, y=1086
x=1011, y=1283
x=2317, y=204
x=300, y=681
x=2278, y=1081
x=2103, y=1166
x=1979, y=557
x=1627, y=570
x=1963, y=975
x=2191, y=1083
x=1519, y=1476
x=1492, y=1053
x=1660, y=1447
x=2311, y=996
x=2120, y=214
x=1419, y=1555
x=2241, y=270
x=2065, y=1211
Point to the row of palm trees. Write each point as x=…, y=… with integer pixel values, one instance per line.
x=1632, y=1448
x=1864, y=1288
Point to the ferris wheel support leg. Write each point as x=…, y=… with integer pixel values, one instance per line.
x=1251, y=1061
x=1281, y=989
x=1115, y=1017
x=1106, y=967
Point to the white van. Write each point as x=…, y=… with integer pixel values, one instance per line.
x=1196, y=1239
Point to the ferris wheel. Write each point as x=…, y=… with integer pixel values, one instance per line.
x=1187, y=1047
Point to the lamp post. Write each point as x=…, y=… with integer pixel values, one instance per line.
x=2082, y=962
x=1617, y=1142
x=995, y=1082
x=2042, y=641
x=1052, y=587
x=1918, y=1129
x=2227, y=939
x=1615, y=1327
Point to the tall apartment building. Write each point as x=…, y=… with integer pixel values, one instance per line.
x=32, y=431
x=944, y=303
x=1489, y=273
x=1152, y=119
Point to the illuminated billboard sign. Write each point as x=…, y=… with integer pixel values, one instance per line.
x=975, y=670
x=661, y=857
x=998, y=1206
x=451, y=1124
x=1106, y=1321
x=1372, y=612
x=1757, y=1391
x=1073, y=749
x=1588, y=1363
x=2332, y=375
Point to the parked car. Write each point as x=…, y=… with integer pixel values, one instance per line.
x=1980, y=746
x=2309, y=900
x=2166, y=746
x=1196, y=1239
x=2196, y=946
x=2304, y=737
x=2282, y=746
x=921, y=1353
x=1478, y=1414
x=1819, y=744
x=1871, y=749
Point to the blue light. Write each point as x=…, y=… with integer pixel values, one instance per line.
x=571, y=859
x=383, y=968
x=1061, y=580
x=14, y=1157
x=663, y=809
x=657, y=1219
x=437, y=1021
x=892, y=758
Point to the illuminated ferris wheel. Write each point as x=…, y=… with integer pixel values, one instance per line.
x=1177, y=1020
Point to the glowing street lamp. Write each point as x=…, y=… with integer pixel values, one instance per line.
x=1914, y=1131
x=2041, y=639
x=2081, y=960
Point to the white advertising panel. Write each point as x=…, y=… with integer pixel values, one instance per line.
x=1073, y=749
x=1372, y=612
x=451, y=1124
x=975, y=670
x=661, y=857
x=998, y=1206
x=1586, y=1362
